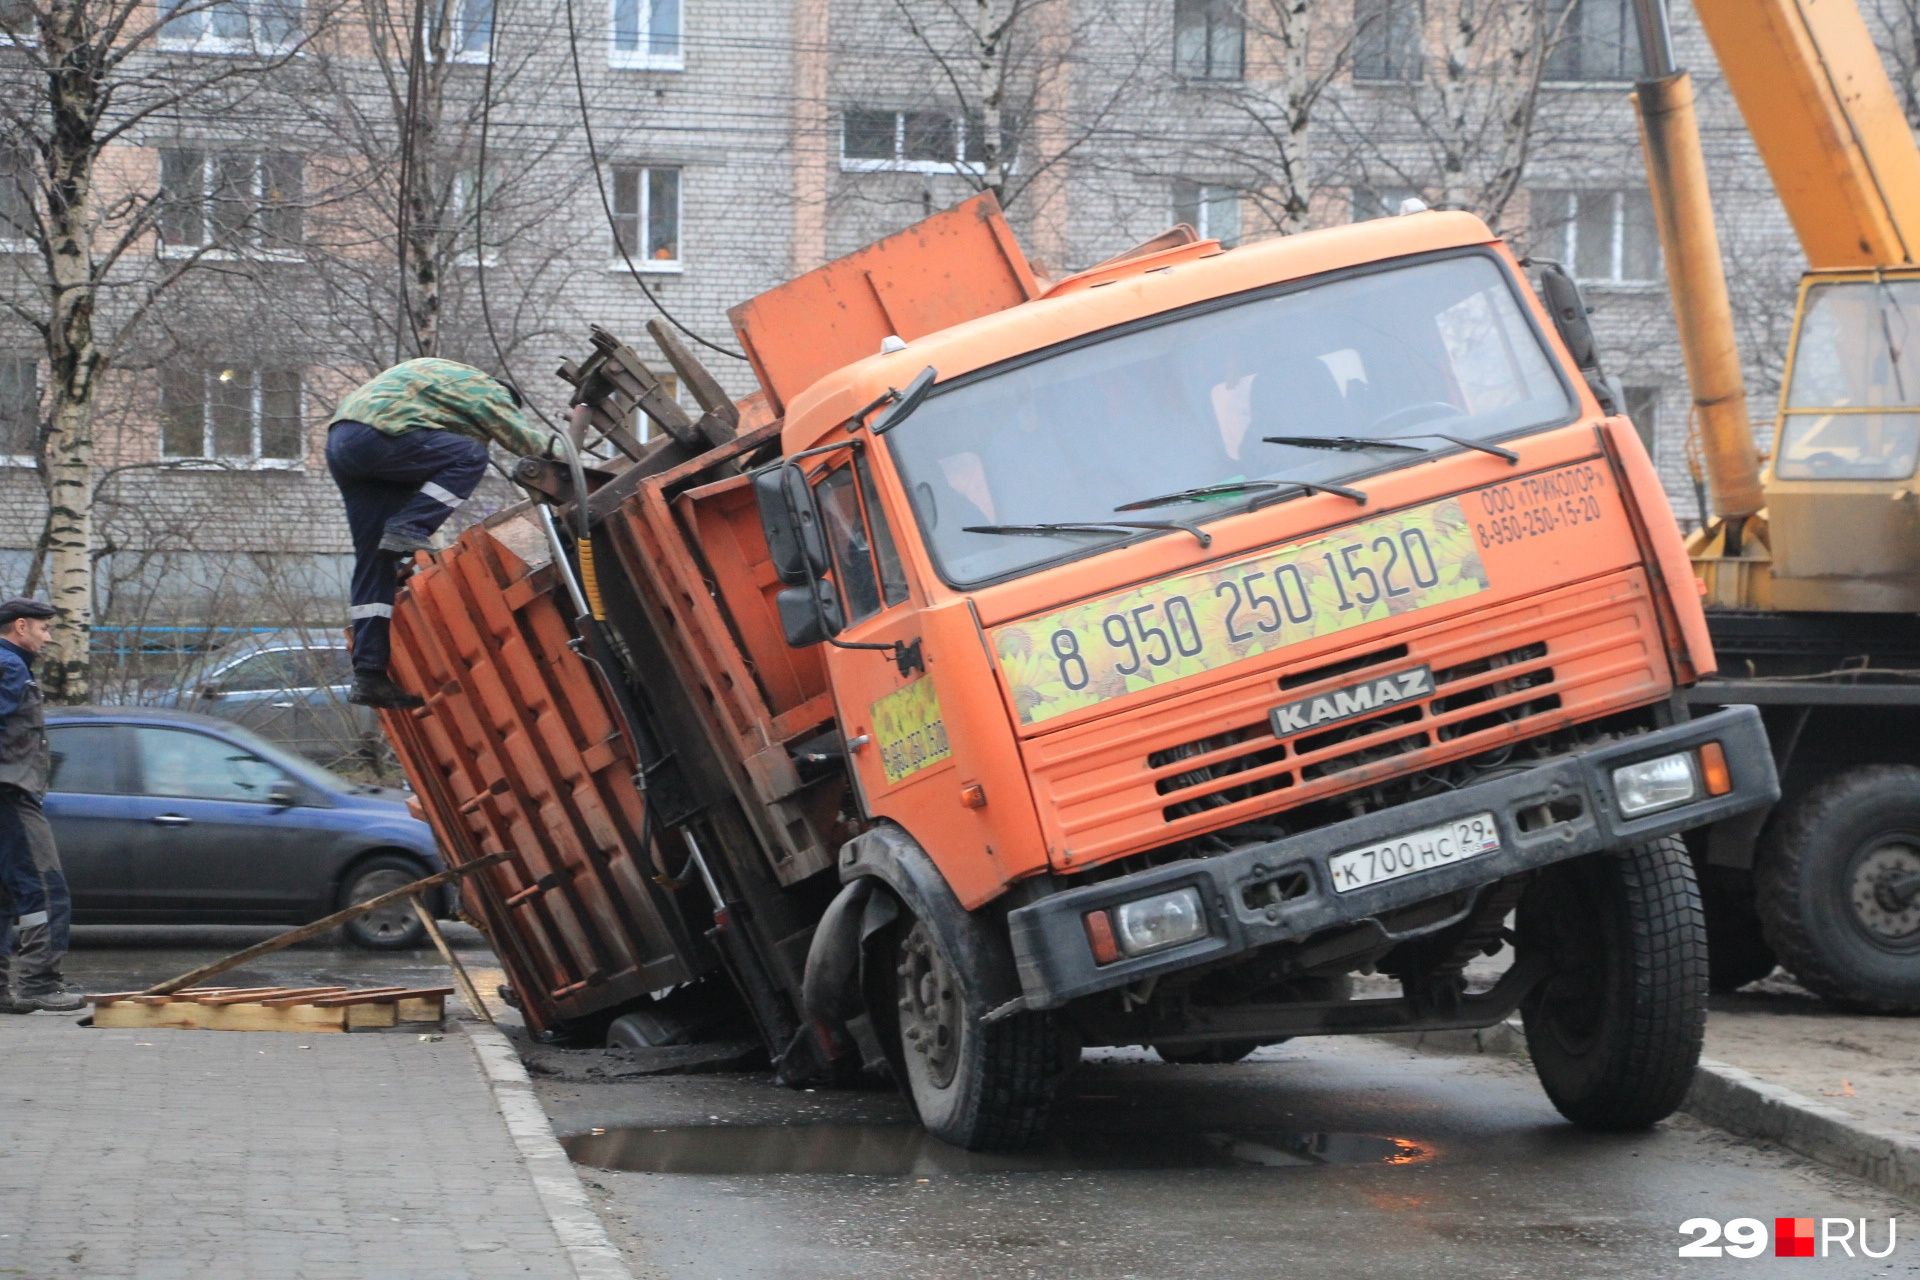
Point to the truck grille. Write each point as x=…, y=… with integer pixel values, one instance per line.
x=1574, y=655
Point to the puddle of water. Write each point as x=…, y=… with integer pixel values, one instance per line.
x=906, y=1150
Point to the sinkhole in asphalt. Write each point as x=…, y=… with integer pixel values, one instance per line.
x=904, y=1150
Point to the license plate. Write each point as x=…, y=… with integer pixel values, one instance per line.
x=1419, y=851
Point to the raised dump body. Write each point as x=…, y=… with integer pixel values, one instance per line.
x=1127, y=659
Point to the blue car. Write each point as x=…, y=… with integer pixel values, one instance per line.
x=165, y=817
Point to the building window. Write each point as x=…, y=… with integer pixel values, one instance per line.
x=1212, y=211
x=230, y=26
x=470, y=34
x=1607, y=237
x=476, y=221
x=1386, y=40
x=1597, y=40
x=1643, y=409
x=646, y=216
x=1209, y=39
x=19, y=412
x=918, y=141
x=232, y=414
x=17, y=24
x=1380, y=202
x=231, y=201
x=646, y=33
x=17, y=220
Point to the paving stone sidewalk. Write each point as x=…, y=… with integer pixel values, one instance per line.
x=159, y=1154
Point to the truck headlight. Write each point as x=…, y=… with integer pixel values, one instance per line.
x=1656, y=784
x=1163, y=920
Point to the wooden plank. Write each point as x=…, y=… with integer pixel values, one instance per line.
x=423, y=1009
x=370, y=995
x=266, y=995
x=185, y=1015
x=361, y=1016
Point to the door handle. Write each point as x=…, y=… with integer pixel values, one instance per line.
x=170, y=820
x=283, y=704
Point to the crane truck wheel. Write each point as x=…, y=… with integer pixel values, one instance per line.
x=1615, y=1028
x=1838, y=885
x=981, y=1087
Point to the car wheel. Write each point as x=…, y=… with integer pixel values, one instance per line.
x=393, y=927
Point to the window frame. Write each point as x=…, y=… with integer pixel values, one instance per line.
x=14, y=161
x=204, y=41
x=1566, y=229
x=963, y=129
x=137, y=763
x=644, y=58
x=1211, y=12
x=255, y=243
x=1356, y=190
x=1584, y=79
x=642, y=172
x=1204, y=196
x=32, y=363
x=1391, y=9
x=256, y=377
x=884, y=564
x=457, y=32
x=120, y=744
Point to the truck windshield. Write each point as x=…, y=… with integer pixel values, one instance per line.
x=1183, y=403
x=1858, y=354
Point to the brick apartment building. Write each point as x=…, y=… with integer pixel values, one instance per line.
x=737, y=142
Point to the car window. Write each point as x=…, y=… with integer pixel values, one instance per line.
x=263, y=672
x=198, y=766
x=86, y=759
x=324, y=668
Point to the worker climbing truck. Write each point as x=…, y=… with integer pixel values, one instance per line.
x=1128, y=659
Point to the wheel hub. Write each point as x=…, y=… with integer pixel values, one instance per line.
x=1884, y=899
x=930, y=1007
x=387, y=922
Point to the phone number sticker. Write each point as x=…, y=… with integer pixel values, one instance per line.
x=1162, y=631
x=909, y=731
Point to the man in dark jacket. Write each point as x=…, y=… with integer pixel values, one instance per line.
x=35, y=908
x=406, y=449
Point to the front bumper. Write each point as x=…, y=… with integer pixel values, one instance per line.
x=1533, y=808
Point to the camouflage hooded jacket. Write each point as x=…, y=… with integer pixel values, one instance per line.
x=442, y=395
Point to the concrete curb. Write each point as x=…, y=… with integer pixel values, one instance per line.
x=591, y=1254
x=1745, y=1105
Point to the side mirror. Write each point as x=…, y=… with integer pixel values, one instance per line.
x=805, y=608
x=1569, y=311
x=210, y=692
x=283, y=795
x=791, y=527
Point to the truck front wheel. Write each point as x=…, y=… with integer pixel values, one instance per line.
x=1616, y=1027
x=982, y=1087
x=1838, y=885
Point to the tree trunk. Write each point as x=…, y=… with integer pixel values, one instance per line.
x=75, y=360
x=1293, y=30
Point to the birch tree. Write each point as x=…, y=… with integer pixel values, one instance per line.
x=82, y=80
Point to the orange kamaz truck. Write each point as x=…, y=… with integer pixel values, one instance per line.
x=1127, y=659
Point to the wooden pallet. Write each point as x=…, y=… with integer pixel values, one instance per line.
x=272, y=1008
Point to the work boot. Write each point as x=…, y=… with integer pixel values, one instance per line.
x=56, y=999
x=402, y=542
x=374, y=689
x=7, y=1003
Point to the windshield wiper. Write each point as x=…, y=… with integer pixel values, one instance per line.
x=1356, y=444
x=1090, y=526
x=1244, y=486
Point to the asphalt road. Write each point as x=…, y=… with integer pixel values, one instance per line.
x=1320, y=1158
x=1329, y=1158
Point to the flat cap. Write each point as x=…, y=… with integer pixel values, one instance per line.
x=22, y=607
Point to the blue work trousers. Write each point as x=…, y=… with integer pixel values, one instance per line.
x=407, y=484
x=36, y=911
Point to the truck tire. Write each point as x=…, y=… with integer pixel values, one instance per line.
x=1615, y=1028
x=984, y=1088
x=1830, y=888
